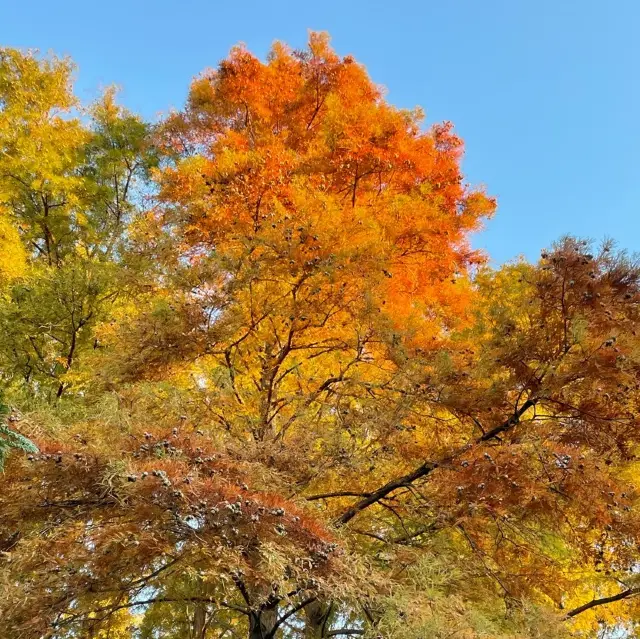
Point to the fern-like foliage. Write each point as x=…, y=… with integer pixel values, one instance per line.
x=9, y=439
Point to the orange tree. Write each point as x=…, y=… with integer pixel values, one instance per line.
x=303, y=225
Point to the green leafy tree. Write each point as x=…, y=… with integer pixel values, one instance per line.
x=69, y=187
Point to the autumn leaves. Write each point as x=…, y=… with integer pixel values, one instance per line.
x=275, y=391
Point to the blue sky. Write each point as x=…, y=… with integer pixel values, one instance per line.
x=546, y=93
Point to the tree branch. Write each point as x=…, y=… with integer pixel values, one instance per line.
x=290, y=613
x=340, y=493
x=629, y=592
x=428, y=467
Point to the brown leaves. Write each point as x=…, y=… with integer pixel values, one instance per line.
x=112, y=518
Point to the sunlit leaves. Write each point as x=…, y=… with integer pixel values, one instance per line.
x=274, y=390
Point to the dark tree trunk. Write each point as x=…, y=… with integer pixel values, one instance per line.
x=200, y=622
x=317, y=615
x=262, y=624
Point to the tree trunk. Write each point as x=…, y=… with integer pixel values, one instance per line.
x=317, y=615
x=262, y=624
x=200, y=622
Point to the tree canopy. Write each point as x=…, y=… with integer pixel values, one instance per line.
x=256, y=382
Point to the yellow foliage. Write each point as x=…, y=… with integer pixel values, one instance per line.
x=13, y=261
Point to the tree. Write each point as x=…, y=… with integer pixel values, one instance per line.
x=525, y=437
x=313, y=412
x=67, y=192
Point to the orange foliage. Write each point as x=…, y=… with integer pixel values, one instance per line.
x=299, y=161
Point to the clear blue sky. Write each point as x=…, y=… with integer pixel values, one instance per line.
x=546, y=93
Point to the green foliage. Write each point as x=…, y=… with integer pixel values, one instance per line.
x=444, y=593
x=69, y=188
x=9, y=439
